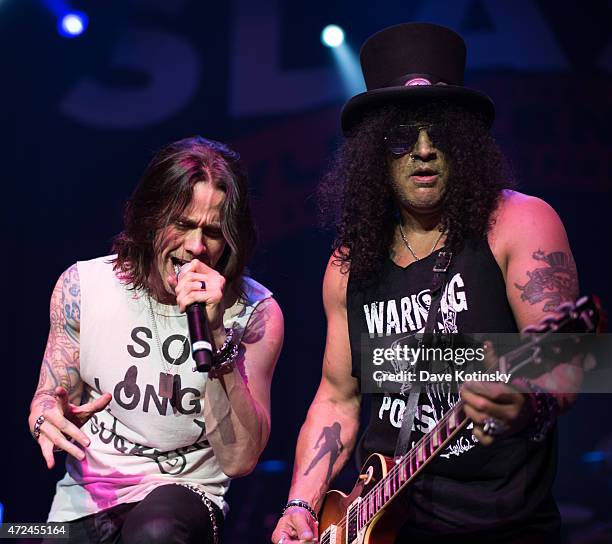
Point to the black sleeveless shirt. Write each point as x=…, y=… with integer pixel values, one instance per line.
x=468, y=487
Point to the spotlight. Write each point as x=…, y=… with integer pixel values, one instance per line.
x=332, y=36
x=72, y=24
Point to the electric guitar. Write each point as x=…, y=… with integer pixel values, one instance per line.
x=370, y=513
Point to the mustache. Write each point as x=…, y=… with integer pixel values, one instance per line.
x=424, y=171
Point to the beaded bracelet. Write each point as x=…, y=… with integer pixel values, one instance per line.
x=300, y=504
x=220, y=368
x=221, y=354
x=224, y=358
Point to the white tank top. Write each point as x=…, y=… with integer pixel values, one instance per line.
x=141, y=440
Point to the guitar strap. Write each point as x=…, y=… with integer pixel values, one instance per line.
x=440, y=270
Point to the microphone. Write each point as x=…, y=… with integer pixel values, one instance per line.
x=199, y=333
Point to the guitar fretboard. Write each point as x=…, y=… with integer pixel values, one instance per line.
x=406, y=468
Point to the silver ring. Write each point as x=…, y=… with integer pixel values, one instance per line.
x=493, y=427
x=281, y=540
x=36, y=431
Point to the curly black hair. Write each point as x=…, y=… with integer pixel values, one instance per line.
x=356, y=196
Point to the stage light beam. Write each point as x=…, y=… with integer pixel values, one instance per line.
x=332, y=36
x=345, y=58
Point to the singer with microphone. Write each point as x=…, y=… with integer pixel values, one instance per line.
x=156, y=377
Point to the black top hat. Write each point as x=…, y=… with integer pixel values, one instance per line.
x=411, y=64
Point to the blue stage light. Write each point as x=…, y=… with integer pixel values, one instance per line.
x=72, y=24
x=272, y=465
x=595, y=457
x=332, y=36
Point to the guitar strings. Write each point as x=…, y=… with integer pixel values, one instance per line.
x=395, y=469
x=405, y=459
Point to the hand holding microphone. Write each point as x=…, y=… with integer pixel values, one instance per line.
x=199, y=292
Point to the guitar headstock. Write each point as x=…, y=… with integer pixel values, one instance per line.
x=557, y=338
x=583, y=316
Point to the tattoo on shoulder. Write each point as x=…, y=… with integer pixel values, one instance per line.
x=554, y=281
x=71, y=301
x=328, y=442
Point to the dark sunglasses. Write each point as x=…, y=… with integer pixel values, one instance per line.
x=402, y=138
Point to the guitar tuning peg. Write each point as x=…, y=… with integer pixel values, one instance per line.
x=566, y=307
x=582, y=301
x=548, y=322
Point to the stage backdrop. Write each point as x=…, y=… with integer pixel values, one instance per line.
x=81, y=117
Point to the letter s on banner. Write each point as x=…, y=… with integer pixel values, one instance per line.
x=172, y=67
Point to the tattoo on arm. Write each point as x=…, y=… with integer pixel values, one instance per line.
x=71, y=302
x=60, y=366
x=554, y=282
x=328, y=442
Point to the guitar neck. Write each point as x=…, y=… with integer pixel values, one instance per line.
x=410, y=465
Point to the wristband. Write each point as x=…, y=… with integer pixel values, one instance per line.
x=301, y=504
x=224, y=358
x=220, y=354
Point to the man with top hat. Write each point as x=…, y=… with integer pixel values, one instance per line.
x=432, y=239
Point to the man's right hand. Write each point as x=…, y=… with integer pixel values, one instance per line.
x=296, y=525
x=63, y=420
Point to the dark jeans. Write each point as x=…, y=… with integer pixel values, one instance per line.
x=169, y=514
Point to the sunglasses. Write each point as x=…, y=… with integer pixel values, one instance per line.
x=401, y=139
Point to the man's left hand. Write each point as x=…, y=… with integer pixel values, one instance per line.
x=499, y=409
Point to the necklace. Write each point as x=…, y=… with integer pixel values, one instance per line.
x=166, y=378
x=412, y=250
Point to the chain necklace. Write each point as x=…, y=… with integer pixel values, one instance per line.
x=166, y=378
x=412, y=250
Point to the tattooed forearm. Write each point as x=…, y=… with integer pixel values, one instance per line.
x=554, y=282
x=328, y=442
x=60, y=366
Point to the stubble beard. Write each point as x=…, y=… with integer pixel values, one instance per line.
x=422, y=206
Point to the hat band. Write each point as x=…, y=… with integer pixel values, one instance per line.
x=414, y=80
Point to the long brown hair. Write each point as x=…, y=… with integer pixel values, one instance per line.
x=162, y=195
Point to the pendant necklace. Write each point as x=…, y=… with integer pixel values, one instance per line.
x=412, y=250
x=166, y=377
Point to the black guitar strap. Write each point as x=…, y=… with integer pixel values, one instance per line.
x=440, y=270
